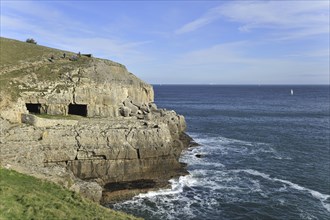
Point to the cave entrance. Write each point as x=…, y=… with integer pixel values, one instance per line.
x=33, y=107
x=75, y=109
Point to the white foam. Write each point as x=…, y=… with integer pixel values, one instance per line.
x=189, y=157
x=226, y=146
x=203, y=139
x=315, y=194
x=177, y=186
x=210, y=179
x=166, y=203
x=305, y=215
x=277, y=157
x=320, y=196
x=282, y=201
x=283, y=188
x=254, y=172
x=192, y=160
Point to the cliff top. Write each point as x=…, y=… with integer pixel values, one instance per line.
x=14, y=52
x=23, y=63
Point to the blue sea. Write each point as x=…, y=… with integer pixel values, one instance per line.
x=264, y=154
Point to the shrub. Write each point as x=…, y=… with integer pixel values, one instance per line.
x=31, y=40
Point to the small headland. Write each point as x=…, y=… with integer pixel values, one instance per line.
x=85, y=123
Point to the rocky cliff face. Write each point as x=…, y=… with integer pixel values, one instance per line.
x=102, y=87
x=102, y=151
x=119, y=139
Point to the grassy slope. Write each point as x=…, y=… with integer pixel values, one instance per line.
x=13, y=52
x=25, y=197
x=18, y=54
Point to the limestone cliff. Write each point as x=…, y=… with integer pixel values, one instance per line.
x=94, y=124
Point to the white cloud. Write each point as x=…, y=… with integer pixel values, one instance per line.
x=209, y=17
x=14, y=23
x=32, y=8
x=232, y=62
x=277, y=14
x=221, y=53
x=301, y=18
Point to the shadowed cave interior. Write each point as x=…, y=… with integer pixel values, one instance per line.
x=75, y=109
x=33, y=108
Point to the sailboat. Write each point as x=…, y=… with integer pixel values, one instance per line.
x=291, y=91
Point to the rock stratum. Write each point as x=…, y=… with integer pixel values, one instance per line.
x=94, y=129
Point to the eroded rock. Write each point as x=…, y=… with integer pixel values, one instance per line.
x=120, y=136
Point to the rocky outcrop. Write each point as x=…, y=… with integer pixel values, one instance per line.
x=102, y=87
x=119, y=137
x=101, y=151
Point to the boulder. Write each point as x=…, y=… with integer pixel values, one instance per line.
x=152, y=106
x=133, y=109
x=125, y=111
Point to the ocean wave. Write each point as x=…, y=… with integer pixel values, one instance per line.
x=177, y=186
x=211, y=184
x=226, y=146
x=205, y=139
x=166, y=203
x=191, y=159
x=320, y=196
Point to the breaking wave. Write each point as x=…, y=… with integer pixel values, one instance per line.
x=214, y=184
x=322, y=197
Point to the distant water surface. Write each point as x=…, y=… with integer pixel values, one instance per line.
x=266, y=154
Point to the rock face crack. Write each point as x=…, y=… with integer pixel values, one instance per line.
x=77, y=136
x=108, y=142
x=128, y=133
x=76, y=84
x=79, y=76
x=138, y=153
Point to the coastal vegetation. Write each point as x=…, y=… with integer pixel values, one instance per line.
x=19, y=58
x=26, y=197
x=31, y=40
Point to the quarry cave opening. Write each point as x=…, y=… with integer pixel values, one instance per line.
x=33, y=107
x=75, y=109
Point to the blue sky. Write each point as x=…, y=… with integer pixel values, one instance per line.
x=186, y=42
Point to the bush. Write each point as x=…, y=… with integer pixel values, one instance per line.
x=31, y=40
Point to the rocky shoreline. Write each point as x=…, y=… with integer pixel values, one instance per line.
x=103, y=159
x=88, y=125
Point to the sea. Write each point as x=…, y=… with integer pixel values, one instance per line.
x=264, y=154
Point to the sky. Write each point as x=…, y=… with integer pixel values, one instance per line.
x=186, y=42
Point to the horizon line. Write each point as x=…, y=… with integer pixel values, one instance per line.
x=233, y=84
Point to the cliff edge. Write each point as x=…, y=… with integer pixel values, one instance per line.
x=84, y=123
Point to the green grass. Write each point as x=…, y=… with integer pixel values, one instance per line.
x=25, y=197
x=14, y=51
x=18, y=54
